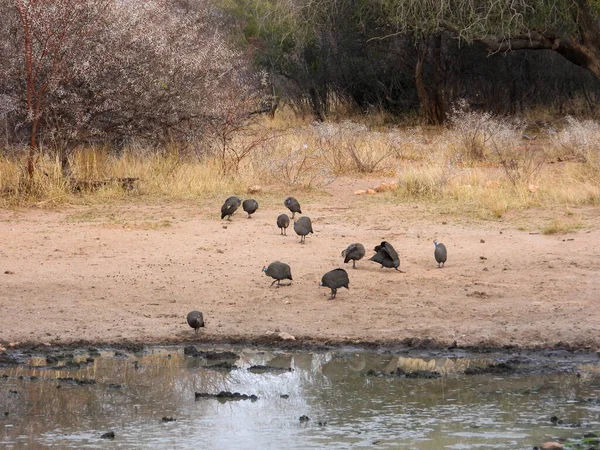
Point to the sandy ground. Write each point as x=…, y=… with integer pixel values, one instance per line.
x=131, y=274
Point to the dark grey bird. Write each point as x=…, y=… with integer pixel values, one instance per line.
x=230, y=206
x=302, y=227
x=441, y=255
x=353, y=253
x=292, y=204
x=250, y=206
x=279, y=271
x=195, y=319
x=387, y=256
x=334, y=280
x=283, y=221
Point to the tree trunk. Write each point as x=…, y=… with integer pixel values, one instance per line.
x=431, y=98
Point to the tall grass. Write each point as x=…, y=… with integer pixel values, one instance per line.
x=479, y=165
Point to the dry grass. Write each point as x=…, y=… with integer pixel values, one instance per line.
x=480, y=166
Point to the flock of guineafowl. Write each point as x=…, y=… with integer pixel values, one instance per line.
x=385, y=254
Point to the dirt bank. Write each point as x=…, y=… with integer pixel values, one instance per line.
x=132, y=273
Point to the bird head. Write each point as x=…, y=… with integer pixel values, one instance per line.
x=320, y=283
x=264, y=269
x=435, y=243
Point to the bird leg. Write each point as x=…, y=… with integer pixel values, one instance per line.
x=229, y=218
x=284, y=232
x=249, y=216
x=333, y=293
x=276, y=281
x=293, y=214
x=354, y=264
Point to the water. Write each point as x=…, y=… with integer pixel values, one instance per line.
x=348, y=404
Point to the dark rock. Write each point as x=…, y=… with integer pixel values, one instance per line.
x=168, y=419
x=223, y=365
x=493, y=369
x=93, y=352
x=108, y=435
x=120, y=354
x=263, y=369
x=190, y=350
x=115, y=386
x=304, y=419
x=51, y=360
x=89, y=360
x=77, y=381
x=284, y=396
x=226, y=395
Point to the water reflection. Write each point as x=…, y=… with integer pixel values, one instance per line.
x=352, y=398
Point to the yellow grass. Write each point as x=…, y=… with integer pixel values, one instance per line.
x=432, y=165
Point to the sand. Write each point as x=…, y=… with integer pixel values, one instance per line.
x=131, y=273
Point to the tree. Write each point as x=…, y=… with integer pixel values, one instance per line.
x=568, y=27
x=51, y=33
x=113, y=71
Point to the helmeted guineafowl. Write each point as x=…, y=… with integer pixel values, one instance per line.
x=230, y=206
x=302, y=227
x=250, y=206
x=353, y=253
x=279, y=271
x=292, y=204
x=283, y=221
x=195, y=319
x=334, y=280
x=441, y=255
x=386, y=256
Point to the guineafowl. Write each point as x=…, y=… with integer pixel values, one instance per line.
x=283, y=221
x=441, y=255
x=250, y=206
x=230, y=206
x=353, y=253
x=195, y=319
x=292, y=204
x=386, y=256
x=302, y=227
x=279, y=271
x=334, y=280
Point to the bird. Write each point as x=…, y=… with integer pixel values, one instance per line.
x=302, y=227
x=441, y=255
x=279, y=271
x=250, y=206
x=334, y=280
x=353, y=253
x=230, y=206
x=386, y=256
x=292, y=204
x=195, y=319
x=283, y=221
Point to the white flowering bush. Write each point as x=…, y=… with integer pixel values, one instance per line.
x=579, y=139
x=474, y=134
